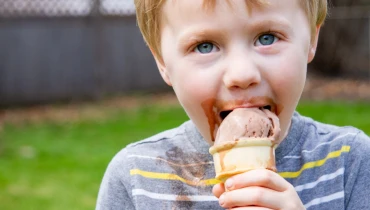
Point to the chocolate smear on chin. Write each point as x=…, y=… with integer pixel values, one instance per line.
x=214, y=121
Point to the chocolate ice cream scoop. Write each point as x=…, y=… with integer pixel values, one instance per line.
x=248, y=123
x=245, y=140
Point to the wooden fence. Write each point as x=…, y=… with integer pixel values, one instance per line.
x=48, y=60
x=344, y=44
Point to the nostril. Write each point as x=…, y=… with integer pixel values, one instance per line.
x=224, y=114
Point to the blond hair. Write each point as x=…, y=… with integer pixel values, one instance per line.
x=149, y=15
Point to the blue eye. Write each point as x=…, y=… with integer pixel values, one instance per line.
x=266, y=39
x=205, y=47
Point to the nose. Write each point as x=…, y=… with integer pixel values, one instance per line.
x=241, y=73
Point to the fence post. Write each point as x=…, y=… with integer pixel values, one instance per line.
x=99, y=59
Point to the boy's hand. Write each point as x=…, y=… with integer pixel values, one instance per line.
x=257, y=189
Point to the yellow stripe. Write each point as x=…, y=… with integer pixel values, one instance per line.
x=208, y=182
x=315, y=164
x=166, y=176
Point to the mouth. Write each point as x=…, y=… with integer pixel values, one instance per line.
x=225, y=113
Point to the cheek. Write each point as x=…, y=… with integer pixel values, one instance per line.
x=193, y=82
x=293, y=79
x=192, y=95
x=193, y=88
x=290, y=78
x=287, y=83
x=189, y=85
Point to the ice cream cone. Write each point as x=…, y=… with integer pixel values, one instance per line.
x=244, y=154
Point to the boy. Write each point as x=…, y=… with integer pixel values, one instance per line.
x=222, y=55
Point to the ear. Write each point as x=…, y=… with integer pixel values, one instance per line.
x=162, y=68
x=313, y=45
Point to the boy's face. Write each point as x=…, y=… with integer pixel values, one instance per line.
x=234, y=56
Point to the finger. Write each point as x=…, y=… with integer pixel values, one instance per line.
x=251, y=196
x=218, y=189
x=258, y=177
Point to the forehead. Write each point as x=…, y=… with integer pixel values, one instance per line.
x=174, y=11
x=210, y=4
x=181, y=11
x=207, y=5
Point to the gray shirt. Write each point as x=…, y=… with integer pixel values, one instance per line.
x=329, y=167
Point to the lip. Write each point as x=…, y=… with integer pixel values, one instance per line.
x=229, y=107
x=214, y=107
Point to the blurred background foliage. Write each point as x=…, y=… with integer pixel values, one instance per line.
x=77, y=84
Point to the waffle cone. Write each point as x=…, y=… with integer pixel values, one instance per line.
x=245, y=154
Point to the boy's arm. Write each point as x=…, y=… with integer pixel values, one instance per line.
x=357, y=175
x=113, y=193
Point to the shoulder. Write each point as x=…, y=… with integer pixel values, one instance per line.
x=158, y=143
x=321, y=134
x=121, y=164
x=154, y=146
x=117, y=184
x=337, y=157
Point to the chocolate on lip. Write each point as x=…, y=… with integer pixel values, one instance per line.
x=213, y=107
x=223, y=114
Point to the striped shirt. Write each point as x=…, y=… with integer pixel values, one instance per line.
x=329, y=167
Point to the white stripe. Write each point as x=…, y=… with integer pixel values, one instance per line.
x=325, y=199
x=172, y=163
x=293, y=157
x=319, y=145
x=171, y=197
x=329, y=142
x=323, y=178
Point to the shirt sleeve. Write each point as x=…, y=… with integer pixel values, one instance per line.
x=114, y=193
x=357, y=174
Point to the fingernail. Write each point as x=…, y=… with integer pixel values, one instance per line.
x=229, y=183
x=221, y=200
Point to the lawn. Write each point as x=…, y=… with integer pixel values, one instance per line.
x=54, y=166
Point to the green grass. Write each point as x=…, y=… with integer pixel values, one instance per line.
x=339, y=113
x=60, y=166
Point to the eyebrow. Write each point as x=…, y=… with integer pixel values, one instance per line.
x=193, y=36
x=268, y=23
